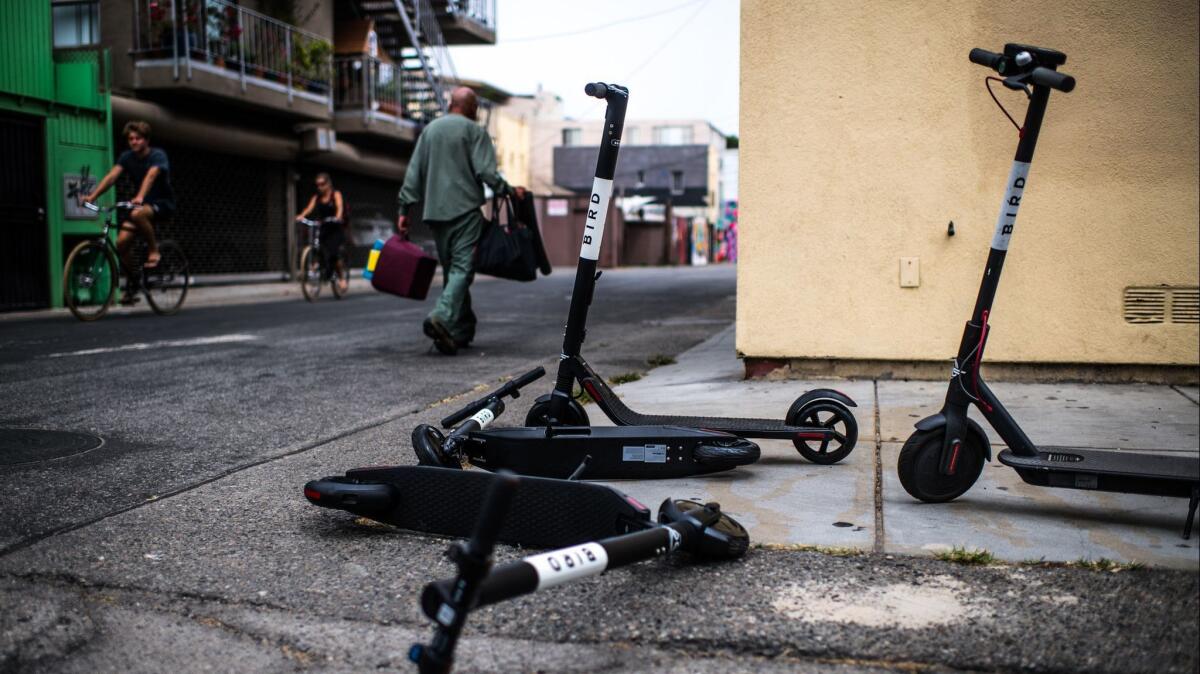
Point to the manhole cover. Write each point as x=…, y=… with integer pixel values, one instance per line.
x=30, y=445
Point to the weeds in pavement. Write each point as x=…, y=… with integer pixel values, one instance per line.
x=831, y=550
x=625, y=378
x=1102, y=564
x=967, y=556
x=660, y=359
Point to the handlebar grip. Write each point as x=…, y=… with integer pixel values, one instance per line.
x=1052, y=78
x=532, y=375
x=596, y=89
x=987, y=58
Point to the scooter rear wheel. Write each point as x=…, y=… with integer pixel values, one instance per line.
x=919, y=461
x=726, y=454
x=539, y=414
x=829, y=415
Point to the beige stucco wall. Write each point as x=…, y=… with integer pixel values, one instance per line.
x=865, y=130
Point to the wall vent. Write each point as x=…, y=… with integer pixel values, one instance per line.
x=1162, y=304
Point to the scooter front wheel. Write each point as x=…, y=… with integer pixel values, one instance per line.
x=429, y=445
x=726, y=454
x=830, y=416
x=919, y=466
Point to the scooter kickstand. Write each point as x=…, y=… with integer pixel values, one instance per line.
x=1192, y=504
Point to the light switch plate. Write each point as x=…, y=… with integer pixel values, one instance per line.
x=910, y=272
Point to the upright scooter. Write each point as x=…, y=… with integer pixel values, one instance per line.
x=819, y=423
x=944, y=457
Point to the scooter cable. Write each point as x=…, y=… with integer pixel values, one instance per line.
x=987, y=82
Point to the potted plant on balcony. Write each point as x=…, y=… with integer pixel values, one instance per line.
x=158, y=32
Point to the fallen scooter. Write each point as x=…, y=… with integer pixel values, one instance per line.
x=575, y=452
x=436, y=497
x=700, y=529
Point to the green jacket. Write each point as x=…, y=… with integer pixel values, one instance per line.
x=453, y=158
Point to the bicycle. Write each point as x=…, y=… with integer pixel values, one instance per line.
x=91, y=275
x=315, y=269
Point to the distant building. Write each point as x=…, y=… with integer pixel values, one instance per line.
x=676, y=162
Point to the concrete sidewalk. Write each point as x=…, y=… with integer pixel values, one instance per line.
x=859, y=503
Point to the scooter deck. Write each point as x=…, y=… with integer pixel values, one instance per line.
x=1107, y=470
x=622, y=415
x=612, y=452
x=446, y=501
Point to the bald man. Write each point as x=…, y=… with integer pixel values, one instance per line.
x=453, y=159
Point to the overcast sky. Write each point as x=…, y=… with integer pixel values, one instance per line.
x=679, y=58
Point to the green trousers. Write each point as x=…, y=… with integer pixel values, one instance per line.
x=456, y=240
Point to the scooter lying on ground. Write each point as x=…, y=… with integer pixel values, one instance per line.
x=819, y=423
x=944, y=457
x=548, y=512
x=702, y=530
x=575, y=452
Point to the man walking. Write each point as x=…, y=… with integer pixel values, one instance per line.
x=453, y=159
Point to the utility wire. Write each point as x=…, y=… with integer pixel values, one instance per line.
x=592, y=29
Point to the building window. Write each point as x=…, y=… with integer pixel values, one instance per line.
x=676, y=182
x=672, y=135
x=76, y=23
x=572, y=137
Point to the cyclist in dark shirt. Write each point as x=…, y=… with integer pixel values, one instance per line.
x=328, y=208
x=149, y=169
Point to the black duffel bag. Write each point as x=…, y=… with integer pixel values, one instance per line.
x=508, y=248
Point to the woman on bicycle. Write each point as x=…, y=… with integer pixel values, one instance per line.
x=328, y=208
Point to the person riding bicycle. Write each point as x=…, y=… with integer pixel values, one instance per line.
x=328, y=208
x=150, y=170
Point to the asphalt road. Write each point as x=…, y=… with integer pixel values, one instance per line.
x=183, y=543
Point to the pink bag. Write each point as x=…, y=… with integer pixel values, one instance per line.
x=404, y=269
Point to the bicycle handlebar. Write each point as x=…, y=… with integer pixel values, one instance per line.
x=314, y=223
x=511, y=389
x=120, y=205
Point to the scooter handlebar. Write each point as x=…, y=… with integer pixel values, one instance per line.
x=511, y=389
x=987, y=58
x=1052, y=78
x=596, y=89
x=1017, y=68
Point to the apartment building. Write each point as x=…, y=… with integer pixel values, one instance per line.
x=251, y=99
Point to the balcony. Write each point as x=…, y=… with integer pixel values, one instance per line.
x=369, y=99
x=214, y=48
x=467, y=21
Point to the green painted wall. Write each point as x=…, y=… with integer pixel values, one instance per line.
x=69, y=90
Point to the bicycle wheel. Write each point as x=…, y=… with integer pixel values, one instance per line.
x=339, y=281
x=166, y=284
x=90, y=280
x=310, y=273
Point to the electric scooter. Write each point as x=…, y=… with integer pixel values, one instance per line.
x=575, y=452
x=819, y=423
x=437, y=497
x=701, y=530
x=944, y=457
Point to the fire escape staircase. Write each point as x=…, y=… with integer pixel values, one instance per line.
x=408, y=30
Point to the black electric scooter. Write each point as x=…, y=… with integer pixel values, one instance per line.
x=575, y=452
x=437, y=497
x=702, y=530
x=819, y=423
x=944, y=457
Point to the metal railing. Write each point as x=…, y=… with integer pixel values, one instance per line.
x=368, y=84
x=228, y=36
x=482, y=12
